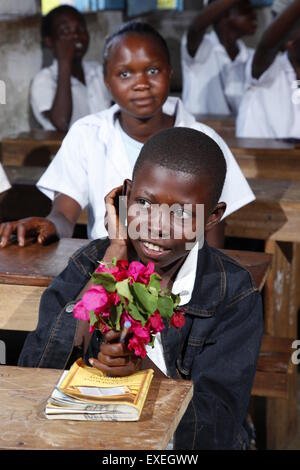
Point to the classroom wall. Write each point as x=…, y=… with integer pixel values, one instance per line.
x=21, y=56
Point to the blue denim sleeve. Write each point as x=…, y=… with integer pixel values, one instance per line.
x=50, y=345
x=223, y=371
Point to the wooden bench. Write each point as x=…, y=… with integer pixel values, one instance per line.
x=33, y=148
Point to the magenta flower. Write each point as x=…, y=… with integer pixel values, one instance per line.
x=95, y=299
x=137, y=346
x=80, y=311
x=141, y=332
x=156, y=323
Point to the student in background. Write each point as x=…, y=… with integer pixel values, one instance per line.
x=100, y=150
x=213, y=64
x=271, y=105
x=70, y=88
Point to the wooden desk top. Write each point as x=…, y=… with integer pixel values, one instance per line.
x=275, y=214
x=34, y=136
x=23, y=395
x=37, y=265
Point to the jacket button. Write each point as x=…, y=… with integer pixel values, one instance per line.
x=70, y=308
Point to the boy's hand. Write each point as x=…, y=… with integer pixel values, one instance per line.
x=114, y=358
x=116, y=229
x=39, y=227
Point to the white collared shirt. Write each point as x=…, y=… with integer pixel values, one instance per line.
x=184, y=286
x=4, y=183
x=271, y=105
x=93, y=160
x=212, y=82
x=86, y=99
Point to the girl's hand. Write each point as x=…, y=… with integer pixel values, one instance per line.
x=39, y=227
x=114, y=357
x=116, y=229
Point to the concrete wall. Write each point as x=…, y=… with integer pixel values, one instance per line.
x=21, y=56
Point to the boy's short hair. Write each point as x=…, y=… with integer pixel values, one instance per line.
x=186, y=150
x=134, y=27
x=47, y=21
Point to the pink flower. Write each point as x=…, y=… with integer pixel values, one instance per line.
x=156, y=323
x=122, y=264
x=178, y=319
x=141, y=332
x=95, y=299
x=80, y=312
x=138, y=347
x=139, y=272
x=114, y=298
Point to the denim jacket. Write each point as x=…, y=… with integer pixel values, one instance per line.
x=217, y=348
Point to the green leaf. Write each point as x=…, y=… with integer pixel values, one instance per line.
x=118, y=317
x=147, y=301
x=105, y=280
x=151, y=343
x=136, y=315
x=93, y=318
x=114, y=261
x=154, y=282
x=124, y=289
x=165, y=306
x=176, y=299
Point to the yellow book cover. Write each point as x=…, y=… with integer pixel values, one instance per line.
x=86, y=393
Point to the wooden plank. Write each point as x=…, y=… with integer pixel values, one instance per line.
x=19, y=307
x=274, y=215
x=24, y=391
x=36, y=147
x=35, y=264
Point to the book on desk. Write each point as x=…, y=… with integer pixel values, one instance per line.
x=86, y=394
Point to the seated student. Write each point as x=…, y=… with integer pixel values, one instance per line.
x=4, y=183
x=70, y=88
x=100, y=150
x=213, y=64
x=219, y=344
x=271, y=105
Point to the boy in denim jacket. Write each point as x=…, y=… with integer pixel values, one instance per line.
x=219, y=344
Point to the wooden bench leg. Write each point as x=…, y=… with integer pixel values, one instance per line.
x=281, y=310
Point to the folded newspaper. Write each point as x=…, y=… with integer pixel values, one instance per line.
x=86, y=394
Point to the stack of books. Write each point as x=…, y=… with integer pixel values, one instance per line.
x=85, y=393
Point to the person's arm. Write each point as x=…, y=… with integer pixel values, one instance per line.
x=58, y=224
x=273, y=38
x=208, y=16
x=61, y=110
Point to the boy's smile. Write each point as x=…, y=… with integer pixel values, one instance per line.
x=160, y=187
x=138, y=75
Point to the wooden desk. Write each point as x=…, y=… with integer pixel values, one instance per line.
x=224, y=125
x=275, y=218
x=26, y=272
x=33, y=148
x=23, y=394
x=266, y=158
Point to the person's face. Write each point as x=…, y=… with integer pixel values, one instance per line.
x=153, y=191
x=138, y=75
x=243, y=18
x=70, y=26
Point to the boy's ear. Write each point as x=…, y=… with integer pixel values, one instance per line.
x=215, y=216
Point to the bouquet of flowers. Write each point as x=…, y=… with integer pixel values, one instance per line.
x=128, y=296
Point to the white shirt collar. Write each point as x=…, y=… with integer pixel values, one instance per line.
x=89, y=70
x=185, y=279
x=243, y=53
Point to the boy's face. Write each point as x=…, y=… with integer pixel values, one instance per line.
x=242, y=17
x=153, y=191
x=138, y=75
x=70, y=26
